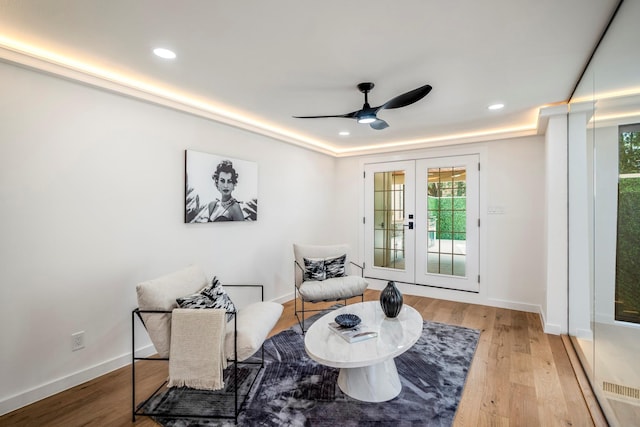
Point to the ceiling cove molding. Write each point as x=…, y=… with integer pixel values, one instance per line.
x=446, y=140
x=545, y=113
x=145, y=92
x=66, y=68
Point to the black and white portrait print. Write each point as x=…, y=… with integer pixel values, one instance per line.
x=220, y=188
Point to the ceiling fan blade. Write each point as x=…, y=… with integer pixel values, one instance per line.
x=379, y=124
x=351, y=115
x=406, y=98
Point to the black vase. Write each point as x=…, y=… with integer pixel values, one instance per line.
x=391, y=300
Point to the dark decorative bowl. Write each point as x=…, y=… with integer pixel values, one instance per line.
x=348, y=320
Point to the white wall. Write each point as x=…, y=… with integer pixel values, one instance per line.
x=512, y=244
x=92, y=202
x=515, y=240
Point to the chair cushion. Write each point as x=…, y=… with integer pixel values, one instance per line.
x=333, y=289
x=254, y=323
x=161, y=294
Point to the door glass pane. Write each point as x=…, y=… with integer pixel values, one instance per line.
x=447, y=220
x=389, y=213
x=458, y=265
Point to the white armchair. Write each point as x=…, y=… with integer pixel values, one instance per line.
x=325, y=273
x=244, y=333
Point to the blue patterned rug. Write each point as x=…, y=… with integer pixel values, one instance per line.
x=293, y=390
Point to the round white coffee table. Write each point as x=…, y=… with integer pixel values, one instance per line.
x=367, y=369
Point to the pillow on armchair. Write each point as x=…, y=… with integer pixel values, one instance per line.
x=212, y=296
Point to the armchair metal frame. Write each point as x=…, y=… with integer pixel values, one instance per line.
x=298, y=295
x=138, y=410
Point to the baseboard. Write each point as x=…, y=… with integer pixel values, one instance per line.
x=606, y=318
x=549, y=328
x=284, y=298
x=514, y=305
x=61, y=384
x=457, y=296
x=584, y=334
x=552, y=329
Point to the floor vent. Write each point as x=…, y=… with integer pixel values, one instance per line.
x=621, y=390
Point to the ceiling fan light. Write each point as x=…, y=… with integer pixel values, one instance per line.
x=368, y=118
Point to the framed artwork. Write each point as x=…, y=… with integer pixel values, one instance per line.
x=219, y=188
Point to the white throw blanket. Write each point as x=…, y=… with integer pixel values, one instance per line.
x=196, y=356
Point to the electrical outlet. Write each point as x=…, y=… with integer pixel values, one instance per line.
x=77, y=341
x=495, y=210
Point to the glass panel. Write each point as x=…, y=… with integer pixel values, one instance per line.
x=378, y=256
x=378, y=180
x=434, y=244
x=379, y=239
x=447, y=220
x=459, y=225
x=433, y=263
x=398, y=260
x=459, y=265
x=389, y=258
x=608, y=347
x=446, y=264
x=378, y=200
x=446, y=246
x=627, y=293
x=459, y=243
x=379, y=219
x=389, y=219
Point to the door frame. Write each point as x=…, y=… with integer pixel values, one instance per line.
x=426, y=290
x=470, y=281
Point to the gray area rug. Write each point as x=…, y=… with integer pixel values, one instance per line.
x=293, y=390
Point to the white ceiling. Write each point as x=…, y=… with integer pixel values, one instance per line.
x=264, y=61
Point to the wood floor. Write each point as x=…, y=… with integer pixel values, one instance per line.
x=519, y=377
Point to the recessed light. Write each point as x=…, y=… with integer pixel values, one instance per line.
x=344, y=133
x=496, y=106
x=164, y=53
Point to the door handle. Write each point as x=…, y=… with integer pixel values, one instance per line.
x=410, y=225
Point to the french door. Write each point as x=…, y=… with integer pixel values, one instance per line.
x=389, y=222
x=422, y=222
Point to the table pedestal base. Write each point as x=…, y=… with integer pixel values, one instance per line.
x=375, y=383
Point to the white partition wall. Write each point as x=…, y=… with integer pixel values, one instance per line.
x=555, y=302
x=580, y=221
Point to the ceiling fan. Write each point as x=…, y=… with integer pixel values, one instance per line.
x=368, y=114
